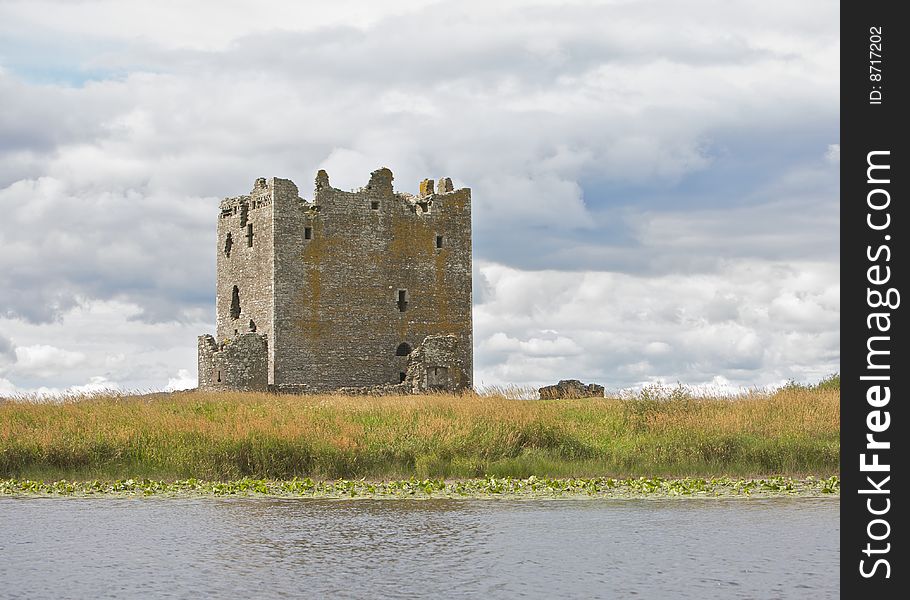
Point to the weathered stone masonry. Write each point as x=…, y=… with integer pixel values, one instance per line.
x=349, y=290
x=240, y=363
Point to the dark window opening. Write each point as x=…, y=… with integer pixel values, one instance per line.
x=402, y=300
x=249, y=235
x=218, y=377
x=228, y=243
x=252, y=325
x=235, y=304
x=403, y=349
x=307, y=233
x=401, y=377
x=374, y=205
x=438, y=241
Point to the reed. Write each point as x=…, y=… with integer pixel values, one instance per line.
x=665, y=432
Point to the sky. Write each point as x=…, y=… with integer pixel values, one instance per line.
x=654, y=183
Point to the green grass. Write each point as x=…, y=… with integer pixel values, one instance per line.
x=659, y=432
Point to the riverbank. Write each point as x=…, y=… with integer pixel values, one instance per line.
x=492, y=487
x=669, y=433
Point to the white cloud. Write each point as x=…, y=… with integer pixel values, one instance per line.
x=100, y=344
x=780, y=321
x=42, y=359
x=183, y=381
x=7, y=388
x=202, y=24
x=96, y=385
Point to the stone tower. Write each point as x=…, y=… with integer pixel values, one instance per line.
x=362, y=289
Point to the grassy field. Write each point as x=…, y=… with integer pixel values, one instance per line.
x=665, y=432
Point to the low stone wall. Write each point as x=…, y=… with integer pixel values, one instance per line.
x=433, y=366
x=240, y=363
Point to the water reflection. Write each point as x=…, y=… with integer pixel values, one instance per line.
x=450, y=548
x=354, y=538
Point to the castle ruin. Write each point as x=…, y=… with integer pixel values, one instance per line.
x=368, y=290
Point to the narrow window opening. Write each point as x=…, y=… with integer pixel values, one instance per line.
x=252, y=326
x=235, y=304
x=401, y=377
x=307, y=233
x=374, y=205
x=403, y=349
x=402, y=300
x=218, y=376
x=437, y=377
x=438, y=241
x=249, y=235
x=228, y=244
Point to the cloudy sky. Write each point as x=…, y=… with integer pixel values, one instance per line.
x=655, y=183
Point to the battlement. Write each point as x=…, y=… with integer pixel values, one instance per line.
x=263, y=194
x=264, y=191
x=379, y=195
x=380, y=184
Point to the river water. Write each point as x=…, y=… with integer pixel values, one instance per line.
x=305, y=548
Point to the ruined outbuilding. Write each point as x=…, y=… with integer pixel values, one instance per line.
x=358, y=290
x=571, y=388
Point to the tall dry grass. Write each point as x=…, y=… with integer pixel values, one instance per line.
x=668, y=432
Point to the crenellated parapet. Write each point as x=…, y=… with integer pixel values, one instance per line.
x=262, y=195
x=379, y=191
x=265, y=191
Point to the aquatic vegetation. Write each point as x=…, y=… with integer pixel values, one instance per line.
x=531, y=487
x=230, y=436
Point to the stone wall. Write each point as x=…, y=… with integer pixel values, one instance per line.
x=247, y=264
x=435, y=365
x=345, y=286
x=379, y=269
x=241, y=363
x=571, y=388
x=438, y=364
